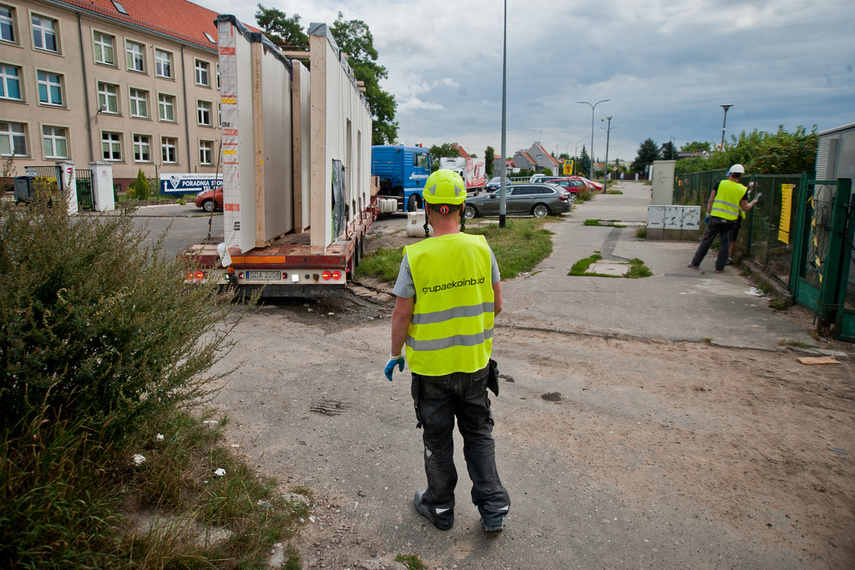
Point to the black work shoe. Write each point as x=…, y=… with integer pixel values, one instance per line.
x=493, y=524
x=442, y=518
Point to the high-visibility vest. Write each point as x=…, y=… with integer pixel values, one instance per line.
x=727, y=198
x=451, y=329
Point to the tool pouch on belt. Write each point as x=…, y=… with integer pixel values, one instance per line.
x=493, y=377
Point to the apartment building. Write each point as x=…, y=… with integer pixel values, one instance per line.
x=130, y=82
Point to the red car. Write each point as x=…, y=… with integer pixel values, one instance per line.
x=572, y=184
x=210, y=200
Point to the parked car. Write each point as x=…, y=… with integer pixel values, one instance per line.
x=540, y=177
x=595, y=185
x=496, y=182
x=572, y=184
x=538, y=200
x=209, y=200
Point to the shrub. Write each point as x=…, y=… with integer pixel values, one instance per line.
x=97, y=325
x=139, y=188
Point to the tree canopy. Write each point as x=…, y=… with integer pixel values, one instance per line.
x=583, y=165
x=441, y=151
x=648, y=152
x=669, y=151
x=355, y=39
x=489, y=159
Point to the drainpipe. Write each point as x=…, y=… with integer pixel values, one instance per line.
x=85, y=89
x=186, y=112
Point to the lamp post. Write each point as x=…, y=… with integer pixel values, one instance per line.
x=724, y=124
x=606, y=163
x=594, y=106
x=502, y=187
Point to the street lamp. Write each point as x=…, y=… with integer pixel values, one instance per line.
x=502, y=185
x=724, y=124
x=606, y=163
x=594, y=106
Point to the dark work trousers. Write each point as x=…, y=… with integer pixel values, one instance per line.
x=717, y=227
x=439, y=400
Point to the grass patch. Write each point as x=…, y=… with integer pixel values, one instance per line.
x=614, y=192
x=581, y=266
x=641, y=232
x=794, y=343
x=605, y=223
x=637, y=269
x=411, y=561
x=518, y=247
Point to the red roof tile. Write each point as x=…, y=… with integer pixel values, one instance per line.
x=177, y=18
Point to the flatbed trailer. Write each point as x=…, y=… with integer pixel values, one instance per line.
x=298, y=201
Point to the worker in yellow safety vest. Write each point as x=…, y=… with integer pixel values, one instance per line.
x=723, y=209
x=448, y=293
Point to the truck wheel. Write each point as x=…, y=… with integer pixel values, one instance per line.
x=540, y=211
x=469, y=212
x=412, y=204
x=208, y=206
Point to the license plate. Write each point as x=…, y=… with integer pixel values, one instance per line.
x=263, y=275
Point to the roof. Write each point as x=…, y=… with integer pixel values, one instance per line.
x=460, y=150
x=547, y=155
x=180, y=19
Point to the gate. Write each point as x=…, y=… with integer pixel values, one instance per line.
x=822, y=254
x=45, y=183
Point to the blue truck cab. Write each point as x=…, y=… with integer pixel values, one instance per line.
x=402, y=172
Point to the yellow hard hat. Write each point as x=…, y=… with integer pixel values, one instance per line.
x=444, y=187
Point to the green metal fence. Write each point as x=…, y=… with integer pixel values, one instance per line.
x=766, y=235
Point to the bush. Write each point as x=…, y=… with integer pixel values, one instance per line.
x=97, y=324
x=139, y=188
x=100, y=336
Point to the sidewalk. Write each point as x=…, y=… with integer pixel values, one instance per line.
x=675, y=304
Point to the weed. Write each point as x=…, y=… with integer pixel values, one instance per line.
x=581, y=266
x=383, y=264
x=777, y=304
x=411, y=561
x=607, y=223
x=795, y=343
x=641, y=232
x=745, y=271
x=614, y=192
x=638, y=270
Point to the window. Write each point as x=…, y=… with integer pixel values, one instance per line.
x=111, y=146
x=55, y=140
x=108, y=97
x=169, y=150
x=142, y=148
x=203, y=113
x=219, y=84
x=163, y=63
x=44, y=34
x=10, y=82
x=136, y=56
x=7, y=25
x=104, y=52
x=50, y=88
x=206, y=152
x=139, y=103
x=13, y=139
x=202, y=73
x=166, y=107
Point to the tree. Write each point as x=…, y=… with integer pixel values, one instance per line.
x=355, y=39
x=648, y=151
x=583, y=165
x=441, y=151
x=696, y=146
x=282, y=30
x=669, y=151
x=140, y=188
x=489, y=159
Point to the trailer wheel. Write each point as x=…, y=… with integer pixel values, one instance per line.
x=412, y=204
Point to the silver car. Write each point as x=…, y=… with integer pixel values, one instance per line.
x=537, y=200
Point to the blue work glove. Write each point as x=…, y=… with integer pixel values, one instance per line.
x=707, y=220
x=393, y=361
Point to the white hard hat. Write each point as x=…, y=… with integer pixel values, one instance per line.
x=736, y=169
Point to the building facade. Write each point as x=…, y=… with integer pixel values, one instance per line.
x=130, y=82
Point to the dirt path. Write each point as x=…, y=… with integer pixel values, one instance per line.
x=617, y=452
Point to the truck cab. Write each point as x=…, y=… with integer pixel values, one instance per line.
x=402, y=172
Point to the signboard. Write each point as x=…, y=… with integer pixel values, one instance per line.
x=786, y=212
x=568, y=167
x=189, y=183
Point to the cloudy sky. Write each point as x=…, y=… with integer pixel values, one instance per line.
x=666, y=67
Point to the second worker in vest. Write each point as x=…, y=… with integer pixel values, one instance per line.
x=723, y=209
x=448, y=293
